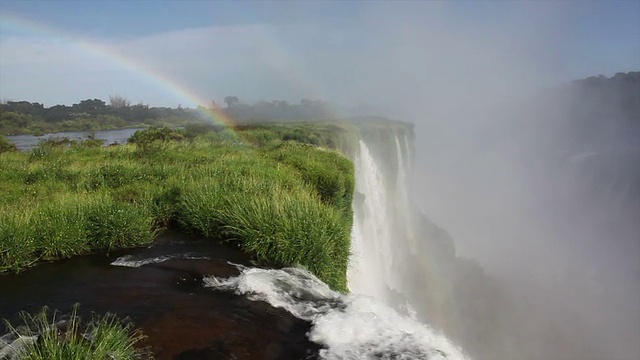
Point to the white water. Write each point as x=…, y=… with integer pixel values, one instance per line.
x=349, y=326
x=382, y=231
x=370, y=265
x=132, y=261
x=11, y=346
x=403, y=215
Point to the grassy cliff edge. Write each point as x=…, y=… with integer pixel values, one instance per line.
x=277, y=193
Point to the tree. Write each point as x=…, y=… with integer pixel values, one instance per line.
x=89, y=106
x=231, y=101
x=118, y=102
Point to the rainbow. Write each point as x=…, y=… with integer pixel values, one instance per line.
x=164, y=81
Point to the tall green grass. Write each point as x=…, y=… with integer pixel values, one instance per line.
x=61, y=229
x=282, y=201
x=328, y=173
x=283, y=228
x=17, y=242
x=69, y=338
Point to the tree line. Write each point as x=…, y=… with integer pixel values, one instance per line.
x=595, y=105
x=24, y=117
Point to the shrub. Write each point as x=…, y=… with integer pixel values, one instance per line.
x=192, y=131
x=152, y=134
x=153, y=139
x=90, y=142
x=6, y=146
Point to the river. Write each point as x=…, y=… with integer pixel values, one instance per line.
x=28, y=142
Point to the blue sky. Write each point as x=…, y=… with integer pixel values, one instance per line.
x=383, y=53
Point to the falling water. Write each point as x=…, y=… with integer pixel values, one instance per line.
x=382, y=236
x=371, y=263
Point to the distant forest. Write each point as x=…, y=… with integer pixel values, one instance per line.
x=616, y=98
x=24, y=117
x=592, y=103
x=595, y=110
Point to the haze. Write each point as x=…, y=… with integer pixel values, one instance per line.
x=465, y=73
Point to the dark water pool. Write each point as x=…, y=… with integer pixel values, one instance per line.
x=182, y=319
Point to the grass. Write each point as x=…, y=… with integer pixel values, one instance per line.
x=281, y=193
x=287, y=228
x=59, y=337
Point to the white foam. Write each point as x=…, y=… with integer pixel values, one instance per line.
x=130, y=261
x=350, y=326
x=11, y=349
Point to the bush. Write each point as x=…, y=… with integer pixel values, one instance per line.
x=91, y=142
x=6, y=146
x=192, y=131
x=147, y=137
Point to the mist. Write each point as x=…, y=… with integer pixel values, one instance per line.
x=548, y=214
x=495, y=167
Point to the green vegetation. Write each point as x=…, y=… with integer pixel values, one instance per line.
x=5, y=145
x=269, y=190
x=24, y=117
x=68, y=338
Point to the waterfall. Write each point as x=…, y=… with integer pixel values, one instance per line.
x=404, y=260
x=382, y=235
x=397, y=256
x=370, y=264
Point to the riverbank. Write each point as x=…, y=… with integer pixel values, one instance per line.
x=267, y=190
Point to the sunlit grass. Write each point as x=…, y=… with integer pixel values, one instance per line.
x=283, y=228
x=17, y=242
x=283, y=202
